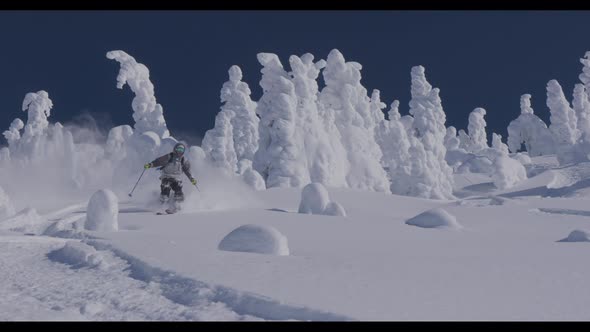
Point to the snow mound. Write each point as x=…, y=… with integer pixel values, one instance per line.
x=27, y=220
x=6, y=208
x=316, y=200
x=508, y=172
x=256, y=239
x=253, y=179
x=334, y=209
x=522, y=158
x=577, y=236
x=434, y=218
x=102, y=213
x=77, y=254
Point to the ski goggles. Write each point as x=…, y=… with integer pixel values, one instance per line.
x=179, y=149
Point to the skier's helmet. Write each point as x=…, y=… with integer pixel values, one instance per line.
x=179, y=149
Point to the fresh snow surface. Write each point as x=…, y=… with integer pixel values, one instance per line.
x=506, y=262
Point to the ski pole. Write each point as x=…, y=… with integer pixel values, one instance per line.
x=131, y=193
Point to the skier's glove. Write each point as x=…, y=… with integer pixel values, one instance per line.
x=194, y=181
x=148, y=165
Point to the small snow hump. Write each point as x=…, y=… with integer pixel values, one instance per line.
x=102, y=213
x=434, y=218
x=256, y=239
x=314, y=199
x=577, y=236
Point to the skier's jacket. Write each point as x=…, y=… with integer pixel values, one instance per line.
x=173, y=166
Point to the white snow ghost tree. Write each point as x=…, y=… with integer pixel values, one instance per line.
x=218, y=142
x=347, y=98
x=115, y=146
x=235, y=95
x=451, y=140
x=280, y=158
x=497, y=144
x=396, y=155
x=563, y=117
x=322, y=158
x=581, y=106
x=464, y=140
x=477, y=130
x=435, y=178
x=147, y=113
x=12, y=135
x=530, y=130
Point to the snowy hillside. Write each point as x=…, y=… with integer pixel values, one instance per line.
x=308, y=204
x=506, y=262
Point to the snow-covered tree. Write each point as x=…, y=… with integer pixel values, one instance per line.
x=530, y=130
x=464, y=140
x=115, y=146
x=345, y=95
x=235, y=135
x=218, y=142
x=429, y=128
x=563, y=118
x=451, y=140
x=147, y=113
x=235, y=95
x=6, y=207
x=376, y=109
x=396, y=155
x=498, y=144
x=585, y=75
x=477, y=130
x=321, y=158
x=581, y=106
x=280, y=157
x=12, y=135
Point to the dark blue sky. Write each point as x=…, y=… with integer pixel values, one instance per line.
x=477, y=58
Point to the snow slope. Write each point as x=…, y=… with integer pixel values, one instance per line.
x=506, y=262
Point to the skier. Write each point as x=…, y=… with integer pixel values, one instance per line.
x=172, y=166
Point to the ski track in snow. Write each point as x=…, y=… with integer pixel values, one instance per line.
x=123, y=289
x=564, y=211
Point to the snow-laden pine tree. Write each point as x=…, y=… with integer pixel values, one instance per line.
x=477, y=130
x=497, y=144
x=507, y=171
x=376, y=107
x=396, y=155
x=581, y=106
x=345, y=95
x=435, y=175
x=585, y=75
x=13, y=134
x=235, y=135
x=530, y=130
x=320, y=156
x=236, y=96
x=464, y=140
x=280, y=157
x=115, y=146
x=147, y=113
x=451, y=140
x=31, y=144
x=380, y=125
x=218, y=142
x=563, y=118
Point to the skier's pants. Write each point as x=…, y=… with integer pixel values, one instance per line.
x=176, y=185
